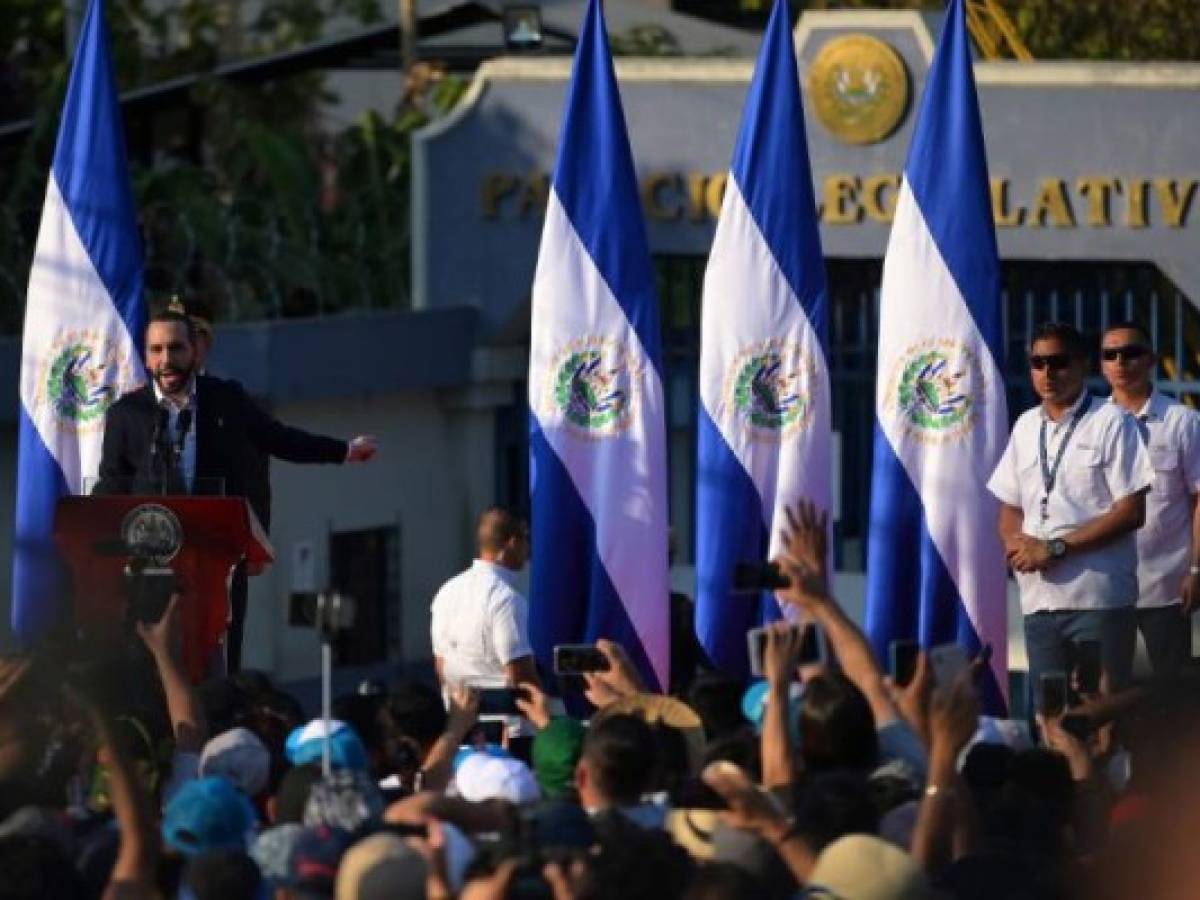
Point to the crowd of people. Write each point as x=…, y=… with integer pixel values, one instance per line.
x=121, y=778
x=821, y=780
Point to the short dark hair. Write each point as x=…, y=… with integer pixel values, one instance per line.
x=1136, y=327
x=497, y=526
x=167, y=312
x=717, y=698
x=837, y=728
x=1063, y=332
x=620, y=752
x=629, y=861
x=832, y=804
x=411, y=710
x=36, y=866
x=223, y=875
x=292, y=794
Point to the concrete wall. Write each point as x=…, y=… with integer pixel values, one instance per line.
x=1094, y=160
x=432, y=476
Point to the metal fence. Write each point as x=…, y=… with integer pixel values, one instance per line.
x=249, y=261
x=1088, y=294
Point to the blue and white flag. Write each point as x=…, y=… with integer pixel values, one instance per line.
x=935, y=565
x=597, y=431
x=83, y=319
x=764, y=382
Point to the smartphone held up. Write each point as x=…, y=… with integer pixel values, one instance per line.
x=579, y=659
x=813, y=648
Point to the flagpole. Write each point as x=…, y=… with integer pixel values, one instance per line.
x=935, y=565
x=764, y=429
x=84, y=322
x=598, y=471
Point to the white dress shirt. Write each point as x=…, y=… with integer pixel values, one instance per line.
x=479, y=624
x=1171, y=432
x=1104, y=461
x=187, y=459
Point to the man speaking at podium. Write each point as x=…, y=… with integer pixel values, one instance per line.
x=190, y=433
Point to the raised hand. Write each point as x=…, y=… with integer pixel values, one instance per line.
x=805, y=555
x=462, y=710
x=750, y=807
x=162, y=637
x=621, y=679
x=954, y=715
x=782, y=652
x=362, y=448
x=533, y=704
x=913, y=698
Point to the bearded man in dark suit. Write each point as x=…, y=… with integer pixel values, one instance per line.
x=185, y=432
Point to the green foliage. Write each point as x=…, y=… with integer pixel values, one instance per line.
x=645, y=40
x=1084, y=29
x=1109, y=29
x=267, y=215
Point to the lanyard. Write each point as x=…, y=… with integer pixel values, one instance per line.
x=1050, y=473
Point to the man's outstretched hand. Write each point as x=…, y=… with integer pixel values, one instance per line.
x=362, y=448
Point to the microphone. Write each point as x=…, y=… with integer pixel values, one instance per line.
x=161, y=423
x=162, y=420
x=157, y=472
x=182, y=425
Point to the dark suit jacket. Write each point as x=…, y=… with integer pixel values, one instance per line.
x=234, y=435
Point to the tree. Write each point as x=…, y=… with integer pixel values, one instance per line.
x=1083, y=29
x=1101, y=29
x=271, y=216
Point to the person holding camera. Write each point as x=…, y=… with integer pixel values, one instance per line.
x=185, y=431
x=479, y=620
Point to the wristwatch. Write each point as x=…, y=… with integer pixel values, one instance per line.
x=1056, y=547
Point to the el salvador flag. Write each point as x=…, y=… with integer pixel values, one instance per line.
x=935, y=565
x=764, y=423
x=83, y=317
x=597, y=430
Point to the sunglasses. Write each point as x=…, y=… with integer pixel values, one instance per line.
x=1053, y=361
x=1128, y=353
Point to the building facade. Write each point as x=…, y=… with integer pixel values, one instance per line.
x=1094, y=180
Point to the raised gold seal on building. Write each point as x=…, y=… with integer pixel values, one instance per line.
x=859, y=88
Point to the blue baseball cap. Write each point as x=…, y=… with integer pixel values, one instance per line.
x=306, y=744
x=208, y=814
x=754, y=706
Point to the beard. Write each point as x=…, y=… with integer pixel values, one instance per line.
x=174, y=380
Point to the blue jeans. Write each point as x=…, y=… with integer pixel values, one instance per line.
x=1168, y=636
x=1048, y=636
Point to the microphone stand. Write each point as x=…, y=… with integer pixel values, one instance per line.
x=157, y=470
x=182, y=425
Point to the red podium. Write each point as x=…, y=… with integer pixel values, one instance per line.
x=208, y=537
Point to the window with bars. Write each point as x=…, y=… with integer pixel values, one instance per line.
x=365, y=565
x=1090, y=295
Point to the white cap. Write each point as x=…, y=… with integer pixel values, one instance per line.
x=482, y=776
x=238, y=756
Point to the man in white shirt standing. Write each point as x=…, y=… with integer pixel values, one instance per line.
x=479, y=620
x=1072, y=488
x=1169, y=543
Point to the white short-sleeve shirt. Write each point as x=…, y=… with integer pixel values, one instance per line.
x=1104, y=461
x=1171, y=432
x=479, y=623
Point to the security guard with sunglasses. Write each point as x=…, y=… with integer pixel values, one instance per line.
x=1072, y=489
x=1169, y=543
